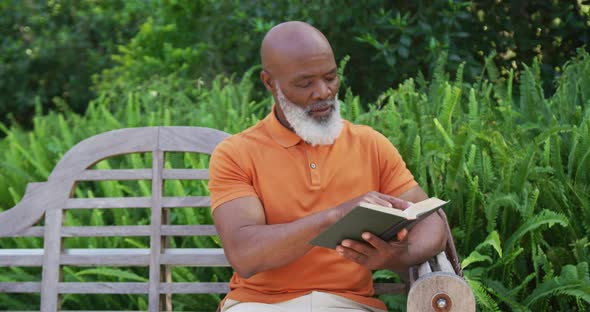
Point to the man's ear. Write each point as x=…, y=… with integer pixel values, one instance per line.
x=267, y=80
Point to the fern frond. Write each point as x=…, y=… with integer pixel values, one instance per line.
x=452, y=95
x=474, y=257
x=482, y=295
x=546, y=217
x=492, y=240
x=487, y=170
x=530, y=203
x=573, y=281
x=580, y=249
x=473, y=110
x=524, y=169
x=444, y=134
x=459, y=75
x=505, y=295
x=471, y=205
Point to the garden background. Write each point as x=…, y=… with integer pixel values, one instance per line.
x=487, y=101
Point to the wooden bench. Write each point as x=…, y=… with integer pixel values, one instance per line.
x=436, y=285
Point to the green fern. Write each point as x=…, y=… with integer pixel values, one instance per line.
x=573, y=281
x=545, y=217
x=483, y=296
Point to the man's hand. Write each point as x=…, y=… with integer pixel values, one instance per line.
x=373, y=198
x=426, y=239
x=376, y=253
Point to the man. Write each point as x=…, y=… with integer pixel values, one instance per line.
x=278, y=184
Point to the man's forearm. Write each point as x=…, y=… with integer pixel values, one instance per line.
x=273, y=246
x=426, y=239
x=253, y=246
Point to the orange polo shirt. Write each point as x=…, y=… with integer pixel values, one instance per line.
x=293, y=179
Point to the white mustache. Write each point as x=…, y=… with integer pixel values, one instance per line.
x=320, y=105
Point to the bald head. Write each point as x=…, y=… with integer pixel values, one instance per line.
x=292, y=41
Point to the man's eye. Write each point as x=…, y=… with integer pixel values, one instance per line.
x=303, y=84
x=330, y=78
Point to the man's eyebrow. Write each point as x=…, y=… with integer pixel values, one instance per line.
x=304, y=76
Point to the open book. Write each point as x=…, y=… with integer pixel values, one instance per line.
x=383, y=221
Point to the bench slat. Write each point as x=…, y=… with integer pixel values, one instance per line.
x=108, y=202
x=186, y=201
x=136, y=202
x=189, y=230
x=141, y=230
x=34, y=231
x=20, y=287
x=176, y=288
x=444, y=263
x=142, y=174
x=103, y=288
x=115, y=174
x=21, y=257
x=156, y=245
x=137, y=230
x=194, y=288
x=117, y=257
x=207, y=257
x=185, y=174
x=105, y=231
x=141, y=288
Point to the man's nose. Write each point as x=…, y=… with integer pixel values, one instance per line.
x=322, y=91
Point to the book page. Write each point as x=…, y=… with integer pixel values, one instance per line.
x=419, y=208
x=389, y=210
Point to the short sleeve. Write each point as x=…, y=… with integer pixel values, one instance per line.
x=228, y=180
x=395, y=178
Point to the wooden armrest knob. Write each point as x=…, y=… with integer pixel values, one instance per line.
x=440, y=292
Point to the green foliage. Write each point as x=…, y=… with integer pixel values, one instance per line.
x=50, y=50
x=518, y=182
x=515, y=169
x=388, y=42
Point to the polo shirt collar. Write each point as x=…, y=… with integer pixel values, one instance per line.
x=279, y=133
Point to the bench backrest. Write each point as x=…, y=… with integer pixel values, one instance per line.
x=49, y=201
x=52, y=198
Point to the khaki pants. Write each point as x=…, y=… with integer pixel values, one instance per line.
x=313, y=302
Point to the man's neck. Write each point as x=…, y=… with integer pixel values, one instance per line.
x=283, y=121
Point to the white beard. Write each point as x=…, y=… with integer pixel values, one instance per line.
x=313, y=131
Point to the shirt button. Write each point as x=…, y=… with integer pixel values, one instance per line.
x=312, y=165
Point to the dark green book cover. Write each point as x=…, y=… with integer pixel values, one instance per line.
x=383, y=221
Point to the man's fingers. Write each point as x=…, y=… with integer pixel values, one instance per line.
x=396, y=202
x=358, y=247
x=401, y=235
x=376, y=200
x=376, y=242
x=352, y=254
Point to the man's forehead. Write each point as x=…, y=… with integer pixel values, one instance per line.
x=306, y=73
x=293, y=42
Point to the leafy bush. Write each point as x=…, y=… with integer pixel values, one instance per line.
x=388, y=41
x=50, y=49
x=515, y=169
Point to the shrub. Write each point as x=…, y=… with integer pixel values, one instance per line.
x=50, y=50
x=515, y=169
x=388, y=42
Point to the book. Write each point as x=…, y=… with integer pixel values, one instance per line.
x=382, y=221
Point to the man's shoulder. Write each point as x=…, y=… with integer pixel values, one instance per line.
x=244, y=139
x=364, y=131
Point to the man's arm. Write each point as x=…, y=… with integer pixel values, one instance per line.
x=427, y=238
x=253, y=246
